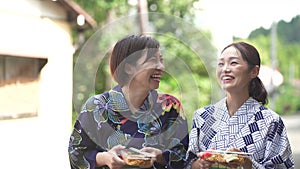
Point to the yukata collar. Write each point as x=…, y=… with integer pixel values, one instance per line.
x=119, y=104
x=249, y=104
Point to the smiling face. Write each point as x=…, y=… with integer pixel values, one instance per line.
x=147, y=71
x=233, y=72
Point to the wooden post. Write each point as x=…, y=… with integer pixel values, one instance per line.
x=143, y=16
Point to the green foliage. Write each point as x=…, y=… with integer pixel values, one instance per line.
x=287, y=96
x=288, y=32
x=287, y=101
x=186, y=76
x=181, y=9
x=259, y=32
x=188, y=54
x=100, y=9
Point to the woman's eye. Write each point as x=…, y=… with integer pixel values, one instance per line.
x=151, y=60
x=234, y=63
x=161, y=60
x=220, y=64
x=154, y=60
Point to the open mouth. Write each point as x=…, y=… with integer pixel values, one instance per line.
x=156, y=77
x=227, y=78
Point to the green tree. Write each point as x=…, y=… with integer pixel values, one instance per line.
x=288, y=57
x=186, y=49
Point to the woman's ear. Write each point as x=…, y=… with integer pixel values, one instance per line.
x=255, y=71
x=128, y=69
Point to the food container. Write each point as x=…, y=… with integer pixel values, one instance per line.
x=225, y=157
x=135, y=158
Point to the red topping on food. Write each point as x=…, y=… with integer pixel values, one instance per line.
x=206, y=155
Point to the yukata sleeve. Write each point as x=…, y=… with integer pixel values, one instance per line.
x=175, y=153
x=82, y=150
x=82, y=147
x=174, y=132
x=278, y=153
x=194, y=143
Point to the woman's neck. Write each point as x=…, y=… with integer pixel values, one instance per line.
x=234, y=101
x=134, y=97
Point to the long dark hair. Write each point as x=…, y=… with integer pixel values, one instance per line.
x=128, y=50
x=250, y=54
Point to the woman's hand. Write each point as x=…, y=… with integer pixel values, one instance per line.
x=247, y=164
x=110, y=158
x=201, y=163
x=157, y=153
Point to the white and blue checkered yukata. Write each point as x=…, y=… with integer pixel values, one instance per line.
x=253, y=129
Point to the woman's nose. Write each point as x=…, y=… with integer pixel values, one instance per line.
x=226, y=68
x=160, y=66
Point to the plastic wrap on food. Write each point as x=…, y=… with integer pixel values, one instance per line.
x=229, y=157
x=134, y=158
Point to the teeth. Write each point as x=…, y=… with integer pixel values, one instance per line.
x=156, y=76
x=226, y=78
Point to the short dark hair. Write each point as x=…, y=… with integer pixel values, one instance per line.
x=133, y=46
x=250, y=54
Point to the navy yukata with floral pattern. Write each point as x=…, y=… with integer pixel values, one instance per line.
x=106, y=121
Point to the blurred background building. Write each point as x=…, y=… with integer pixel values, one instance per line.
x=36, y=60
